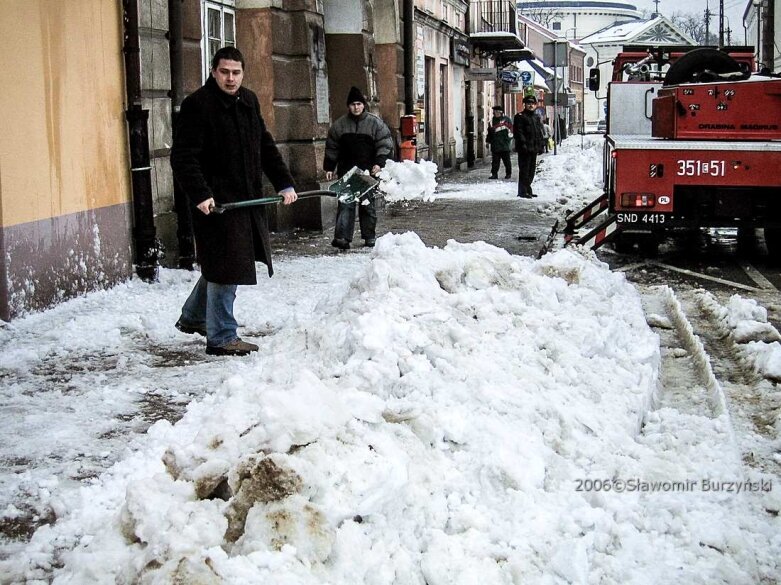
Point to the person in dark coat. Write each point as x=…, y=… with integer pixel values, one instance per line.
x=500, y=139
x=363, y=140
x=561, y=130
x=220, y=150
x=528, y=132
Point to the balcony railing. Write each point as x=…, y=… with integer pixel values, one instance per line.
x=493, y=25
x=491, y=16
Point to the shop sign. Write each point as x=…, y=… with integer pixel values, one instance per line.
x=460, y=52
x=481, y=74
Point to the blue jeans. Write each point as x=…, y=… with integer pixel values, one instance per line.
x=211, y=305
x=345, y=220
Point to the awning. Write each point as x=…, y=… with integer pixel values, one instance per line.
x=496, y=41
x=537, y=65
x=539, y=77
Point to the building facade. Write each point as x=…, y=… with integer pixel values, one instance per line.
x=762, y=25
x=65, y=195
x=575, y=19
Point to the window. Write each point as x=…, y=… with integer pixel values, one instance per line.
x=556, y=26
x=219, y=30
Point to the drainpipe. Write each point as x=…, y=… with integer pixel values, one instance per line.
x=409, y=57
x=469, y=112
x=470, y=126
x=184, y=219
x=148, y=249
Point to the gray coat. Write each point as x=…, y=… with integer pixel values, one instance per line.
x=357, y=141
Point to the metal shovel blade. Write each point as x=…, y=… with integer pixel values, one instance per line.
x=353, y=185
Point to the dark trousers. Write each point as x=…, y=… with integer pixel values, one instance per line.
x=499, y=157
x=345, y=220
x=527, y=166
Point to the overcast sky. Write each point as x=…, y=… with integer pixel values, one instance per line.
x=733, y=11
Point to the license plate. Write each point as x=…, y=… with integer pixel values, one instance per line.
x=641, y=218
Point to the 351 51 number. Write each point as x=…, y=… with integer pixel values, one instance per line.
x=699, y=168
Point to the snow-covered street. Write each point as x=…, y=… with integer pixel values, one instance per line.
x=415, y=415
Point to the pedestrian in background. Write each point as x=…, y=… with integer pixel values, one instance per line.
x=546, y=134
x=500, y=139
x=527, y=129
x=363, y=140
x=561, y=133
x=220, y=150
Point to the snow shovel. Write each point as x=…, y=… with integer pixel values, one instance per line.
x=351, y=187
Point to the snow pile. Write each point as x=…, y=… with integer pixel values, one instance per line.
x=746, y=321
x=573, y=178
x=428, y=426
x=406, y=180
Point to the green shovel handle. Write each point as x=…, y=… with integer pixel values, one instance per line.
x=267, y=201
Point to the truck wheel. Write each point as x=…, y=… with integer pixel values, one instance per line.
x=624, y=243
x=773, y=243
x=746, y=240
x=648, y=245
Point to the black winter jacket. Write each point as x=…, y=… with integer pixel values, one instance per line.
x=221, y=149
x=528, y=132
x=362, y=142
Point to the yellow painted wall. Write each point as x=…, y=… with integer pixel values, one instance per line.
x=63, y=137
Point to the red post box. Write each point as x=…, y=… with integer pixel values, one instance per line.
x=408, y=129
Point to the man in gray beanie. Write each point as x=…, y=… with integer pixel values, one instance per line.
x=363, y=140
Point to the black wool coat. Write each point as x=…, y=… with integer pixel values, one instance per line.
x=528, y=132
x=221, y=149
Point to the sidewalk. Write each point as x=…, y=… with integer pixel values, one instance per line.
x=506, y=222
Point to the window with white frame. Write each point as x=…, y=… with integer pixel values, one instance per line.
x=219, y=30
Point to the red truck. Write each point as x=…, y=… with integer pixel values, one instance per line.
x=693, y=141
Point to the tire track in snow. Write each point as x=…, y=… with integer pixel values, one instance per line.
x=690, y=431
x=687, y=381
x=754, y=401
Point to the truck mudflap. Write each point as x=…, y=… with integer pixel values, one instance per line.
x=549, y=241
x=599, y=236
x=582, y=217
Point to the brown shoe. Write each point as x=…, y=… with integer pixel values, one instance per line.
x=235, y=347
